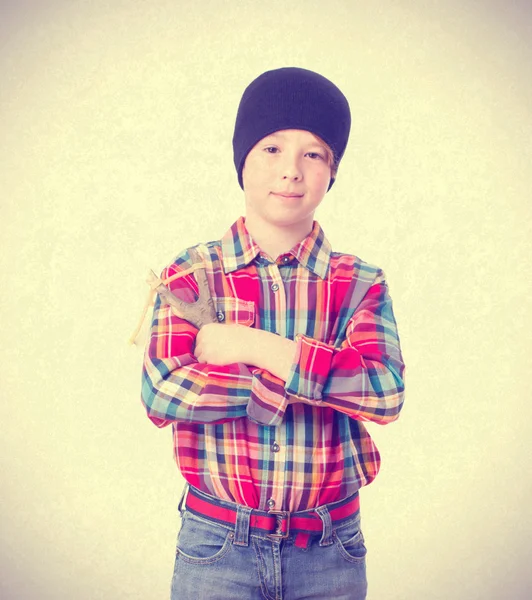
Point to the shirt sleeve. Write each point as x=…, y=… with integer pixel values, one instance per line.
x=363, y=378
x=175, y=387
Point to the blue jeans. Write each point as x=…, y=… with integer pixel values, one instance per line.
x=227, y=562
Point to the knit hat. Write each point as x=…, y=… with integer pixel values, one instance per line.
x=291, y=98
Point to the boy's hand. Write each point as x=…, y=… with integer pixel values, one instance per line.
x=223, y=344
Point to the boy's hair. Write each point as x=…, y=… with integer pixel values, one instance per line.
x=291, y=98
x=329, y=157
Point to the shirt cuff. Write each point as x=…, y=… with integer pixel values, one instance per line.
x=268, y=400
x=313, y=362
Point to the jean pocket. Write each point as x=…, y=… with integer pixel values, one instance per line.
x=202, y=543
x=350, y=542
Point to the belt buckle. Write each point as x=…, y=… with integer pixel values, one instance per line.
x=279, y=516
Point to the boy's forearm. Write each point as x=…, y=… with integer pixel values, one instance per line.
x=272, y=353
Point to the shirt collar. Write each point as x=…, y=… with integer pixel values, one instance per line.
x=239, y=249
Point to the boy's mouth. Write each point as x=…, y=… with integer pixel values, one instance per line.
x=287, y=194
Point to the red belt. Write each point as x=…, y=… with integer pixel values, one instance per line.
x=277, y=523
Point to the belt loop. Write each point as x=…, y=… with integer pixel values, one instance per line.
x=243, y=516
x=325, y=515
x=180, y=505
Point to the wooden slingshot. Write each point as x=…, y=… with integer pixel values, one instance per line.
x=198, y=313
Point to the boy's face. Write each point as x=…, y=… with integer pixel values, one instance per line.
x=285, y=177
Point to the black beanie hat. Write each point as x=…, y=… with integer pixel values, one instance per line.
x=291, y=98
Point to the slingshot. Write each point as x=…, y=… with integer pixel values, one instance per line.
x=197, y=313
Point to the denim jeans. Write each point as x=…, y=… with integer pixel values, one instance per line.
x=228, y=562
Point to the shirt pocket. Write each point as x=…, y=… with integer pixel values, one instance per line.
x=235, y=311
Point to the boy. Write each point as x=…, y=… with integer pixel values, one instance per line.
x=267, y=405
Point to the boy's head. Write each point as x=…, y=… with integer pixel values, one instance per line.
x=292, y=98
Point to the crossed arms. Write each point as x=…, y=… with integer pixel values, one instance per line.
x=228, y=371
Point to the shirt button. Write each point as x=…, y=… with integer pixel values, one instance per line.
x=275, y=447
x=220, y=316
x=271, y=503
x=275, y=287
x=286, y=259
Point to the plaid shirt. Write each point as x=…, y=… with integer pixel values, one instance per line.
x=241, y=433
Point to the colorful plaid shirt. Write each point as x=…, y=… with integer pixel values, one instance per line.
x=241, y=433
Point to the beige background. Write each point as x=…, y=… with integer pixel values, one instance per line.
x=116, y=124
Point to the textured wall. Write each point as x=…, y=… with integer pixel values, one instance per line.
x=115, y=125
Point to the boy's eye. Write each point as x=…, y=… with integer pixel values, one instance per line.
x=314, y=155
x=271, y=149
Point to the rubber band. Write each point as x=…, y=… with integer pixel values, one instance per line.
x=182, y=273
x=149, y=300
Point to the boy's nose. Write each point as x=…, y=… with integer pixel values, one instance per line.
x=291, y=170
